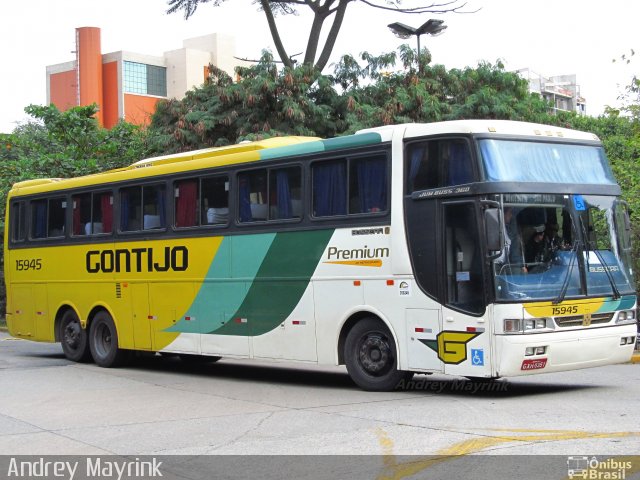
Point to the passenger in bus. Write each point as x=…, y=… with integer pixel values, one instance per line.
x=535, y=251
x=512, y=254
x=553, y=241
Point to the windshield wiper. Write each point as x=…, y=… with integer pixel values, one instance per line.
x=567, y=277
x=607, y=271
x=605, y=266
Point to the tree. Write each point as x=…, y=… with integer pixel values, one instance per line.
x=322, y=11
x=265, y=102
x=434, y=94
x=64, y=144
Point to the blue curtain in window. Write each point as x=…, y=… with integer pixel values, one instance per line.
x=283, y=194
x=245, y=201
x=124, y=211
x=372, y=184
x=459, y=164
x=40, y=226
x=416, y=159
x=329, y=189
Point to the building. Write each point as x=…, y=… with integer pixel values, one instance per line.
x=128, y=85
x=562, y=91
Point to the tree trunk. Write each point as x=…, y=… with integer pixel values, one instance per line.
x=275, y=35
x=333, y=35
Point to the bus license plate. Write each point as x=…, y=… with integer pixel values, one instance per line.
x=533, y=364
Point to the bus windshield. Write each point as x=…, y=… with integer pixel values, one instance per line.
x=526, y=161
x=559, y=246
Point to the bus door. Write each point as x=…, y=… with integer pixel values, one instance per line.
x=464, y=342
x=139, y=297
x=166, y=300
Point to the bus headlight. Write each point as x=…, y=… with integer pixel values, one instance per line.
x=626, y=316
x=528, y=325
x=531, y=324
x=512, y=325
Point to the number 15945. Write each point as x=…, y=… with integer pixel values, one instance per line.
x=29, y=264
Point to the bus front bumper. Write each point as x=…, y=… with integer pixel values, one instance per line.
x=564, y=350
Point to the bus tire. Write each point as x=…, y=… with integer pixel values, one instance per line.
x=371, y=357
x=103, y=341
x=74, y=338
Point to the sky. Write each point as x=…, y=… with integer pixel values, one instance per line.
x=550, y=37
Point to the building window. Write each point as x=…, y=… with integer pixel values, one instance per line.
x=145, y=79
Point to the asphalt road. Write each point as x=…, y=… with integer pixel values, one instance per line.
x=160, y=406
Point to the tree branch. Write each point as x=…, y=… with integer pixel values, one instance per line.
x=333, y=35
x=275, y=35
x=433, y=8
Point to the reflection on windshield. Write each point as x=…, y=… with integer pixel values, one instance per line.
x=559, y=246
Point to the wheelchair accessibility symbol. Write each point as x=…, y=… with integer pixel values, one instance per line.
x=477, y=357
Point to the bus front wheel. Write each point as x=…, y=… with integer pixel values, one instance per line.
x=371, y=356
x=103, y=341
x=74, y=338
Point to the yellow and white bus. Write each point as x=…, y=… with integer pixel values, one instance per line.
x=477, y=248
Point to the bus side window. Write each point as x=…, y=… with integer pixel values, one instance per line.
x=214, y=204
x=92, y=213
x=273, y=194
x=368, y=185
x=252, y=193
x=39, y=219
x=186, y=193
x=355, y=186
x=57, y=217
x=18, y=221
x=329, y=180
x=285, y=194
x=142, y=208
x=439, y=163
x=48, y=218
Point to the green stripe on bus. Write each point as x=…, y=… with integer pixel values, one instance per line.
x=291, y=150
x=351, y=141
x=225, y=286
x=280, y=283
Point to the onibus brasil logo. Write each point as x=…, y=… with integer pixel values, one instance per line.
x=592, y=468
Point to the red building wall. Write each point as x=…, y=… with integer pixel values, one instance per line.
x=63, y=90
x=110, y=113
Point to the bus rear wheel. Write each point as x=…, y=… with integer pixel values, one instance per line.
x=371, y=357
x=103, y=341
x=74, y=338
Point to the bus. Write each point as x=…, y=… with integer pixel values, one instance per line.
x=482, y=249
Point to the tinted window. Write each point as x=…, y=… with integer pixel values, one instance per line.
x=48, y=218
x=438, y=163
x=142, y=208
x=273, y=194
x=354, y=186
x=201, y=201
x=18, y=221
x=92, y=213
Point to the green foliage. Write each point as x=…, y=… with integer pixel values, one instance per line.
x=64, y=144
x=265, y=102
